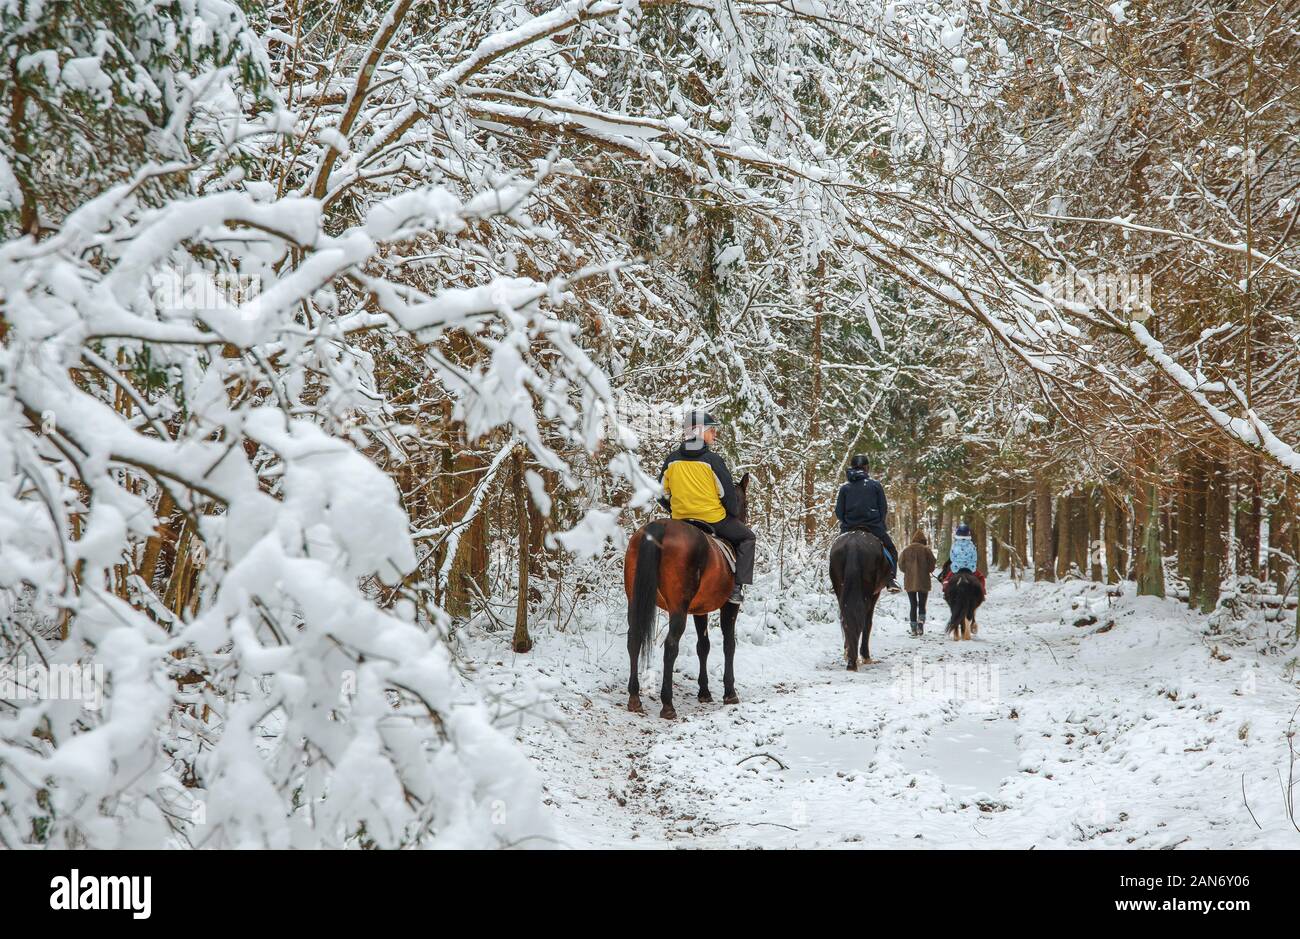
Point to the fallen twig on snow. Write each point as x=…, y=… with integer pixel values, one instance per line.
x=753, y=824
x=1247, y=804
x=768, y=756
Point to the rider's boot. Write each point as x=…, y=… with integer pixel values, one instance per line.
x=737, y=595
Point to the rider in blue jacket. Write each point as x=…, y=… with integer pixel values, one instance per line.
x=962, y=556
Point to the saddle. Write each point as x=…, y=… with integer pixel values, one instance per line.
x=728, y=552
x=862, y=531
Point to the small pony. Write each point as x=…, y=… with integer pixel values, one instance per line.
x=964, y=595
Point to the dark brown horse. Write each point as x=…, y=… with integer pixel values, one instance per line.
x=675, y=566
x=859, y=572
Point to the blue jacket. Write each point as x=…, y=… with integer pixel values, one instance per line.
x=861, y=503
x=963, y=555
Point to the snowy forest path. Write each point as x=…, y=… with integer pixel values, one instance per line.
x=1040, y=733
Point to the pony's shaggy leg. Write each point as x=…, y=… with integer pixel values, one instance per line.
x=702, y=652
x=728, y=618
x=676, y=626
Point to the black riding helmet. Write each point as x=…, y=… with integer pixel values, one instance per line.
x=693, y=419
x=860, y=461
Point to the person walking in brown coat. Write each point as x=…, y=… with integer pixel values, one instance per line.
x=917, y=564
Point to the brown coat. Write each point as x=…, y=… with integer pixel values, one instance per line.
x=917, y=564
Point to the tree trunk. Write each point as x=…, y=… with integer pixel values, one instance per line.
x=945, y=533
x=540, y=560
x=521, y=641
x=1247, y=520
x=979, y=530
x=1168, y=536
x=1116, y=535
x=1002, y=556
x=1019, y=531
x=1043, y=529
x=1196, y=508
x=1079, y=532
x=997, y=532
x=1064, y=528
x=1278, y=541
x=1124, y=535
x=1094, y=535
x=469, y=567
x=1185, y=521
x=1150, y=567
x=811, y=514
x=1293, y=526
x=1216, y=528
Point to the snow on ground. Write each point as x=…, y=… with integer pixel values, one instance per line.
x=1039, y=733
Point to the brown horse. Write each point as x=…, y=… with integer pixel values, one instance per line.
x=859, y=572
x=675, y=566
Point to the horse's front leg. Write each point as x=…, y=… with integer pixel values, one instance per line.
x=676, y=626
x=702, y=651
x=728, y=618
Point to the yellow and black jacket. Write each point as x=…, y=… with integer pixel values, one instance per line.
x=697, y=484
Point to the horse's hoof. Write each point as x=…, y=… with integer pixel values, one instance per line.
x=852, y=666
x=705, y=697
x=668, y=714
x=868, y=661
x=634, y=705
x=732, y=698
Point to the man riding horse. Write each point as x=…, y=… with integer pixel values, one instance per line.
x=861, y=506
x=697, y=485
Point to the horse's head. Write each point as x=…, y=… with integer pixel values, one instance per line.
x=742, y=492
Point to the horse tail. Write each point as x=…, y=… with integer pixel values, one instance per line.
x=965, y=598
x=645, y=587
x=956, y=598
x=853, y=599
